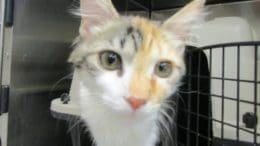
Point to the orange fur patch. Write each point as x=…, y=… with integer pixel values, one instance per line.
x=141, y=85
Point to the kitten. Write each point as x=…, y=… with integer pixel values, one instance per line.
x=128, y=68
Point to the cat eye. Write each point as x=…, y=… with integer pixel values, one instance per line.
x=110, y=60
x=163, y=69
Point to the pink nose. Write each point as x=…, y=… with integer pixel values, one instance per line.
x=135, y=102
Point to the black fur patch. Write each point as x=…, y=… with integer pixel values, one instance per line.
x=135, y=42
x=129, y=30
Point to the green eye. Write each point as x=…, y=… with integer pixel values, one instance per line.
x=110, y=60
x=163, y=69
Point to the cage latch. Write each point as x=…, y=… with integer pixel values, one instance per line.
x=65, y=98
x=250, y=120
x=4, y=99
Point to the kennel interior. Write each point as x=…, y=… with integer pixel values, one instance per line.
x=218, y=104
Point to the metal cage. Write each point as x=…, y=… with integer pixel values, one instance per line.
x=218, y=103
x=202, y=110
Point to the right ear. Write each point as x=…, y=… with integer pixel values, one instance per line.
x=94, y=13
x=181, y=23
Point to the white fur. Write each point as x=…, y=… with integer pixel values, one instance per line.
x=110, y=118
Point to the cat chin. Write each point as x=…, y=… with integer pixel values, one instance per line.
x=120, y=128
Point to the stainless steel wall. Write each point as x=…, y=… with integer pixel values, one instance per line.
x=42, y=35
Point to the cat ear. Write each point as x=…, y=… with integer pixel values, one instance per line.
x=181, y=23
x=94, y=13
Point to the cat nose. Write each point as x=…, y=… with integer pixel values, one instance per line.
x=135, y=102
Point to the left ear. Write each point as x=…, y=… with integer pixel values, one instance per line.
x=95, y=12
x=181, y=23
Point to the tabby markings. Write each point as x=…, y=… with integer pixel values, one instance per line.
x=133, y=35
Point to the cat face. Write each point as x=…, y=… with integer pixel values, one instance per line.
x=130, y=64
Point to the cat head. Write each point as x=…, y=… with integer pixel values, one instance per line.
x=130, y=64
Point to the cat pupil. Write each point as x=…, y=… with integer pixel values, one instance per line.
x=162, y=66
x=112, y=57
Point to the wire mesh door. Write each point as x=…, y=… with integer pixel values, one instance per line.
x=220, y=104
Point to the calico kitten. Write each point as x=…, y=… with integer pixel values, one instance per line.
x=128, y=67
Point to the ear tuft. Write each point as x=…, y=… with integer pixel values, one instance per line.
x=94, y=13
x=181, y=23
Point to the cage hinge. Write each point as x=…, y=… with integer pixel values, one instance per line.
x=4, y=99
x=9, y=13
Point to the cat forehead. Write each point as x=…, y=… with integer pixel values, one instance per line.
x=131, y=36
x=134, y=33
x=126, y=26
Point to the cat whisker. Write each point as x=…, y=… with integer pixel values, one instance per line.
x=167, y=121
x=184, y=92
x=69, y=76
x=94, y=94
x=167, y=116
x=139, y=5
x=188, y=92
x=168, y=109
x=169, y=102
x=96, y=102
x=165, y=131
x=180, y=98
x=77, y=122
x=168, y=106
